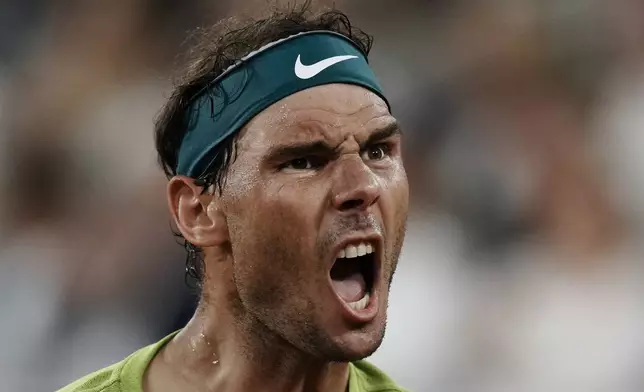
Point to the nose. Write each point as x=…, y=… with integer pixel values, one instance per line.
x=355, y=186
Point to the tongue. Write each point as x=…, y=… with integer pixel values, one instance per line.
x=351, y=288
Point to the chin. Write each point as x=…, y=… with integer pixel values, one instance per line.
x=356, y=355
x=356, y=345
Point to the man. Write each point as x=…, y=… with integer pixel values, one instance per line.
x=287, y=184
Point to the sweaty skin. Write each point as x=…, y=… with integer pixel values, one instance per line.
x=270, y=319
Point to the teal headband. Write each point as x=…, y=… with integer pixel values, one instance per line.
x=262, y=78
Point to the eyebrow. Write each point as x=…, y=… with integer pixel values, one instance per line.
x=322, y=148
x=381, y=134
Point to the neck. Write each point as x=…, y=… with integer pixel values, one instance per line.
x=217, y=351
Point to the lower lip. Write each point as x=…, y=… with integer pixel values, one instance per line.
x=363, y=315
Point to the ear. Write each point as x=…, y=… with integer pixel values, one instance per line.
x=197, y=215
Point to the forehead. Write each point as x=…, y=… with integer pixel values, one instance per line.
x=330, y=112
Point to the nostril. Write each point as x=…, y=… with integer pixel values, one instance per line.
x=351, y=204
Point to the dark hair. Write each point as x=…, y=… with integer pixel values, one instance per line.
x=215, y=50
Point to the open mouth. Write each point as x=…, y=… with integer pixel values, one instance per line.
x=353, y=274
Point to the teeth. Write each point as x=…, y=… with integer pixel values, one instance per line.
x=362, y=249
x=351, y=251
x=360, y=304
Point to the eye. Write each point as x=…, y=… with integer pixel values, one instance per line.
x=298, y=164
x=376, y=152
x=304, y=163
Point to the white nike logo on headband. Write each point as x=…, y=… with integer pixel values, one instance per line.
x=308, y=71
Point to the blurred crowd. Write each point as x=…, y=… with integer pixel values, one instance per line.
x=524, y=126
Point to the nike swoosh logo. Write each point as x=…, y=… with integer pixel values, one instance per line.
x=308, y=71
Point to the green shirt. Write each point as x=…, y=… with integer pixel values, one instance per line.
x=127, y=375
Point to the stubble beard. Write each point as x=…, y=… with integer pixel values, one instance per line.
x=295, y=334
x=273, y=324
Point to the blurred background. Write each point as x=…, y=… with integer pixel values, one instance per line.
x=524, y=121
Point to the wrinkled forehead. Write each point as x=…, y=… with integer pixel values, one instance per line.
x=331, y=112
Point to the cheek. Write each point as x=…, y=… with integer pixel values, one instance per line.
x=395, y=211
x=396, y=191
x=272, y=238
x=265, y=267
x=291, y=211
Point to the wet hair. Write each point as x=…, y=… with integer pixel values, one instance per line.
x=216, y=49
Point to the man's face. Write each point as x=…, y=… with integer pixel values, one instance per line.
x=318, y=176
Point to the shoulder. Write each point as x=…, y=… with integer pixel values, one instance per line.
x=124, y=376
x=366, y=377
x=105, y=380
